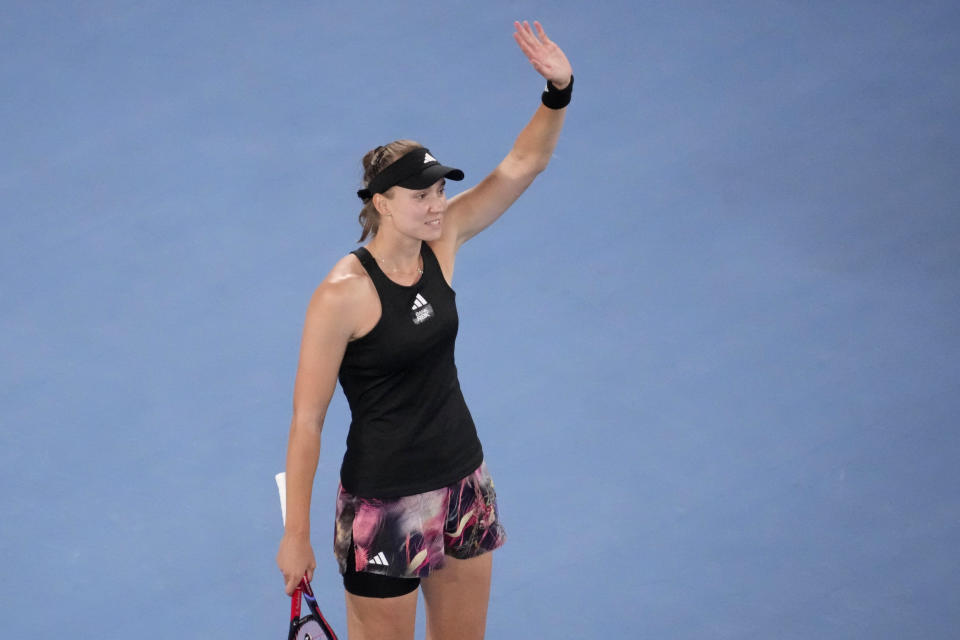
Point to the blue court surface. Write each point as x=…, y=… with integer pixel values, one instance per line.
x=712, y=353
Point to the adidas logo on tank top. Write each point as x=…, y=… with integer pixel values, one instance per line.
x=421, y=310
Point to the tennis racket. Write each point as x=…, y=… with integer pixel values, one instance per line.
x=312, y=626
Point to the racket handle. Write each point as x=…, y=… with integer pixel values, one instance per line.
x=295, y=604
x=302, y=588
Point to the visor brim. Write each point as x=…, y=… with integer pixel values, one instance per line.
x=430, y=175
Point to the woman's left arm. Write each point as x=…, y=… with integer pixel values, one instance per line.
x=474, y=210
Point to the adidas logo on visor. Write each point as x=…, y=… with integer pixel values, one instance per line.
x=428, y=158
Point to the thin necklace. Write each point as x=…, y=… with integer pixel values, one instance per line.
x=404, y=273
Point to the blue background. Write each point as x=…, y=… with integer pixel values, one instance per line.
x=712, y=352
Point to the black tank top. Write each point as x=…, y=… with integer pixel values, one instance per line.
x=411, y=430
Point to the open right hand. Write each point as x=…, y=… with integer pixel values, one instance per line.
x=295, y=559
x=543, y=53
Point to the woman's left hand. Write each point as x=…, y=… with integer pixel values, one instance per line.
x=545, y=56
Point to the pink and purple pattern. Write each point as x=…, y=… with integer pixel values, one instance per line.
x=408, y=537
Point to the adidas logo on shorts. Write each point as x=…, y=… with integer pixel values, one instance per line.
x=379, y=559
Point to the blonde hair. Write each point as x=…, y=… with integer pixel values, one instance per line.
x=375, y=161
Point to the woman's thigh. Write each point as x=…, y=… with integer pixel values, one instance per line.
x=456, y=597
x=381, y=618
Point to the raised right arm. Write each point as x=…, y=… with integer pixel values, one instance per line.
x=329, y=324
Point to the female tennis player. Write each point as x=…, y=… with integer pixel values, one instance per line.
x=416, y=506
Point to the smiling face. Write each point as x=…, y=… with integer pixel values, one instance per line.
x=416, y=213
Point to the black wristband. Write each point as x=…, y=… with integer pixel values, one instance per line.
x=554, y=98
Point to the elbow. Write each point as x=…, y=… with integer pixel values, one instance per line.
x=529, y=165
x=539, y=165
x=307, y=420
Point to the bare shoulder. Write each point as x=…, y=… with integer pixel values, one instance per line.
x=340, y=299
x=346, y=274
